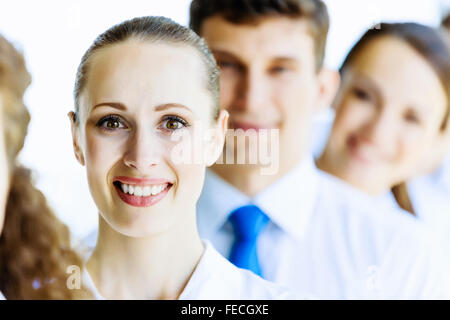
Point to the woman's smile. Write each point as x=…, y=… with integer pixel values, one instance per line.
x=140, y=192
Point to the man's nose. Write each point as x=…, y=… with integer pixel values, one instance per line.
x=254, y=92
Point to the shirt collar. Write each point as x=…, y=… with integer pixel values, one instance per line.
x=217, y=201
x=289, y=202
x=202, y=273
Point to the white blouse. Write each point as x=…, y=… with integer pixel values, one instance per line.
x=215, y=278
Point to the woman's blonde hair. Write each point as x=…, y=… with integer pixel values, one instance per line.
x=34, y=244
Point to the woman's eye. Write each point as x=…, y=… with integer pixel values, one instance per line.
x=111, y=123
x=412, y=118
x=173, y=123
x=361, y=94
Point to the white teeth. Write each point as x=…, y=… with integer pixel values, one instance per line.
x=143, y=191
x=146, y=191
x=155, y=190
x=138, y=191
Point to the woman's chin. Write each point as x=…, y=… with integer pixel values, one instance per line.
x=139, y=224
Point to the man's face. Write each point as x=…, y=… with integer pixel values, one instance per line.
x=268, y=75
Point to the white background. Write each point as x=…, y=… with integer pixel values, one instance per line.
x=54, y=35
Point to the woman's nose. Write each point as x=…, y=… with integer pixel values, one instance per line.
x=143, y=151
x=380, y=130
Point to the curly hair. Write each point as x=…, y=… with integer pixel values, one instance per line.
x=34, y=244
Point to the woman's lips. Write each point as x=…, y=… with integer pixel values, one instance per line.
x=140, y=181
x=141, y=192
x=356, y=152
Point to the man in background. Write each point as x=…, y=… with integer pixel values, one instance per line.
x=298, y=226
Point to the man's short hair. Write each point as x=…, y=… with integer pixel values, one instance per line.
x=248, y=11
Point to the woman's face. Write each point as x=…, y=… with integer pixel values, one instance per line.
x=390, y=110
x=142, y=104
x=4, y=171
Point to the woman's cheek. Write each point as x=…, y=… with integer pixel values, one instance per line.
x=102, y=150
x=413, y=147
x=345, y=124
x=185, y=157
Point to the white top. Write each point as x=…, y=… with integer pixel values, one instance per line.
x=2, y=297
x=215, y=278
x=431, y=206
x=330, y=239
x=430, y=194
x=431, y=202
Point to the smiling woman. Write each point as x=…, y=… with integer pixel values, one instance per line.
x=143, y=89
x=392, y=110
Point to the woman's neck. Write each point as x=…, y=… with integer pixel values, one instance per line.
x=154, y=267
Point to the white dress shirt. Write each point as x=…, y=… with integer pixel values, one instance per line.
x=329, y=239
x=215, y=278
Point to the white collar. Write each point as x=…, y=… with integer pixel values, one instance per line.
x=289, y=202
x=387, y=199
x=199, y=276
x=202, y=272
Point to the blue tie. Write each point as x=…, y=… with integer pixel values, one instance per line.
x=248, y=222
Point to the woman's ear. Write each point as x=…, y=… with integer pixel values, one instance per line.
x=329, y=81
x=216, y=143
x=75, y=138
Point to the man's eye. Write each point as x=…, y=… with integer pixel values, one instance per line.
x=225, y=64
x=111, y=123
x=278, y=70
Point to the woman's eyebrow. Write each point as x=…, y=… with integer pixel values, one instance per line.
x=367, y=81
x=166, y=106
x=116, y=105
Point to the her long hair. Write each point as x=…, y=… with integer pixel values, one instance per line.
x=34, y=244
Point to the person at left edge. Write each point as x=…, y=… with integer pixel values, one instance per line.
x=144, y=90
x=35, y=249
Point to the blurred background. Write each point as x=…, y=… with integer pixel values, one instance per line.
x=54, y=35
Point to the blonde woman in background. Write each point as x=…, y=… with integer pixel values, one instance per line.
x=34, y=245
